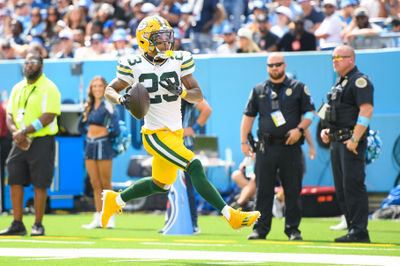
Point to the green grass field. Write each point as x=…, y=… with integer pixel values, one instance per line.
x=139, y=231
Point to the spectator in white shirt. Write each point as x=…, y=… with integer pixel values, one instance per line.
x=328, y=33
x=285, y=16
x=230, y=43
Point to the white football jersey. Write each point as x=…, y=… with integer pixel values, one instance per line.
x=165, y=107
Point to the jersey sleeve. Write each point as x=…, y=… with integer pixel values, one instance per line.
x=187, y=66
x=124, y=71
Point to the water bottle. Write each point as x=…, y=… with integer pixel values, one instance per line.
x=249, y=167
x=228, y=154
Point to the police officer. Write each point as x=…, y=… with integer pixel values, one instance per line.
x=285, y=110
x=347, y=116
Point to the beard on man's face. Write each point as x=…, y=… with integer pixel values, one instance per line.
x=33, y=75
x=276, y=75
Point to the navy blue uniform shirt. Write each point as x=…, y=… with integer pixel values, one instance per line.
x=295, y=100
x=357, y=89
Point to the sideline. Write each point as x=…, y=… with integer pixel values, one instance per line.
x=47, y=253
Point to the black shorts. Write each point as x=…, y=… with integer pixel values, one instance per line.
x=34, y=166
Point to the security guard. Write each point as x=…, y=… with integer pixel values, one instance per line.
x=285, y=110
x=32, y=119
x=347, y=116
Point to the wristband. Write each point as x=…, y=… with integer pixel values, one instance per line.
x=301, y=130
x=242, y=143
x=353, y=139
x=309, y=115
x=184, y=92
x=196, y=126
x=363, y=121
x=37, y=124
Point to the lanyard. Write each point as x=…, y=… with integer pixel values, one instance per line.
x=269, y=94
x=29, y=95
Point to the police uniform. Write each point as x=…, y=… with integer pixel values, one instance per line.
x=292, y=99
x=348, y=93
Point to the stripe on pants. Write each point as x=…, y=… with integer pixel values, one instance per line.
x=165, y=152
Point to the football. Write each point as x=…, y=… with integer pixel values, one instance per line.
x=139, y=101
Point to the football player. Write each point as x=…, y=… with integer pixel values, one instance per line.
x=167, y=75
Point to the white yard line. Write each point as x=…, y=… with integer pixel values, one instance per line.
x=47, y=241
x=186, y=244
x=200, y=255
x=356, y=248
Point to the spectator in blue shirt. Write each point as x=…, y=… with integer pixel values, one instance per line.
x=36, y=25
x=16, y=33
x=313, y=16
x=347, y=10
x=205, y=13
x=171, y=11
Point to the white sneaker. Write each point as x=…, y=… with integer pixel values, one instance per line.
x=96, y=223
x=341, y=226
x=196, y=230
x=277, y=208
x=111, y=222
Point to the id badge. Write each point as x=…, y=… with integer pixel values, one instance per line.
x=278, y=118
x=20, y=115
x=322, y=111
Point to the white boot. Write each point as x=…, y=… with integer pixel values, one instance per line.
x=111, y=222
x=277, y=208
x=96, y=223
x=341, y=226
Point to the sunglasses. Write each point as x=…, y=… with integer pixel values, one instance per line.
x=339, y=57
x=275, y=64
x=32, y=61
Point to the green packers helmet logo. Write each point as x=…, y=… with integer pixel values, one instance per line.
x=361, y=83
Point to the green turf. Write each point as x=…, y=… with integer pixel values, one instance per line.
x=139, y=231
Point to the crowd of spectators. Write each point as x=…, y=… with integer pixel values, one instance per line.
x=93, y=29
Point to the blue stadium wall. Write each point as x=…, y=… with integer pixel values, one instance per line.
x=226, y=83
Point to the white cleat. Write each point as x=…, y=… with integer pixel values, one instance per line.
x=341, y=226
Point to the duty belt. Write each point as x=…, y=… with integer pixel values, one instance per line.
x=270, y=140
x=340, y=135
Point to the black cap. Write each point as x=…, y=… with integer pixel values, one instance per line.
x=262, y=18
x=299, y=19
x=395, y=22
x=361, y=12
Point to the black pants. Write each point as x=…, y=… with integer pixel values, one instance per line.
x=349, y=176
x=288, y=160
